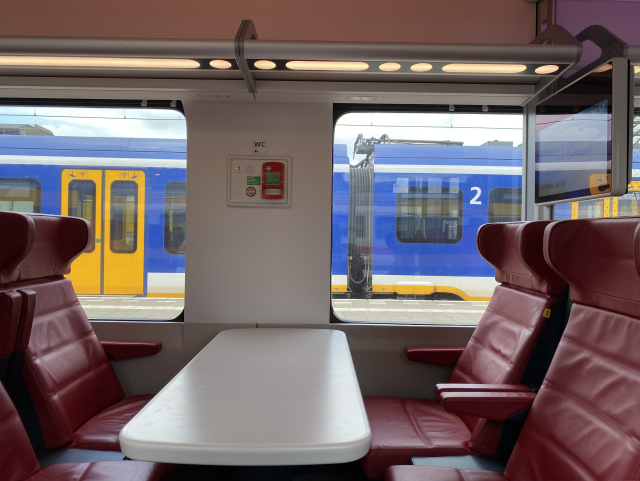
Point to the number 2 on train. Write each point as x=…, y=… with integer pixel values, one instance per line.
x=475, y=199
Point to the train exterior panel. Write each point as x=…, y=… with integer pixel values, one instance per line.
x=152, y=264
x=428, y=202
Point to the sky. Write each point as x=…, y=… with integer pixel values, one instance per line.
x=93, y=122
x=472, y=129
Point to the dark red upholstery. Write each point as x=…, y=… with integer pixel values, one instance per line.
x=513, y=249
x=57, y=241
x=118, y=350
x=497, y=353
x=14, y=247
x=585, y=421
x=18, y=461
x=497, y=406
x=67, y=372
x=27, y=311
x=440, y=356
x=431, y=473
x=102, y=430
x=10, y=303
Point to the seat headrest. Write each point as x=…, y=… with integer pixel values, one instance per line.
x=56, y=241
x=17, y=234
x=596, y=257
x=514, y=249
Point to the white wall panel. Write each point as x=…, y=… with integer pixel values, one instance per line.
x=250, y=265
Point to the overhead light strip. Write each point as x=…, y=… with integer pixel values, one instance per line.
x=328, y=66
x=491, y=68
x=98, y=62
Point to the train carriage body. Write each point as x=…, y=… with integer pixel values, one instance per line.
x=133, y=193
x=427, y=204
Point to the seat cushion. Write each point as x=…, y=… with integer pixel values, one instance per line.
x=402, y=428
x=432, y=473
x=101, y=431
x=103, y=471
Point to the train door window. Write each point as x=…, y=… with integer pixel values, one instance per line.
x=430, y=215
x=20, y=195
x=175, y=217
x=505, y=205
x=124, y=217
x=120, y=166
x=410, y=190
x=82, y=203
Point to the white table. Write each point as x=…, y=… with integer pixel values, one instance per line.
x=257, y=397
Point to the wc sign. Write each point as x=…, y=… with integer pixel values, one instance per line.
x=259, y=147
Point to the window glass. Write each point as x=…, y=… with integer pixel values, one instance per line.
x=82, y=203
x=505, y=205
x=124, y=217
x=20, y=195
x=175, y=217
x=430, y=215
x=410, y=191
x=124, y=171
x=623, y=206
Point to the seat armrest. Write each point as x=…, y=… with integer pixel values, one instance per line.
x=451, y=387
x=441, y=356
x=497, y=406
x=119, y=350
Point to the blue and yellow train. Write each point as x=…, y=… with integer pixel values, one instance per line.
x=404, y=219
x=132, y=191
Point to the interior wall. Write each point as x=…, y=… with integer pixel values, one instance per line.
x=377, y=351
x=438, y=21
x=250, y=265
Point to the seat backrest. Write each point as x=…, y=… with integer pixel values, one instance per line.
x=17, y=459
x=67, y=372
x=503, y=341
x=585, y=421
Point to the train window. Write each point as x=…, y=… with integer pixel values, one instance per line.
x=120, y=166
x=430, y=214
x=505, y=205
x=175, y=217
x=124, y=217
x=82, y=203
x=20, y=195
x=410, y=190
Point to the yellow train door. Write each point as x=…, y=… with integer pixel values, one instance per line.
x=113, y=202
x=124, y=232
x=82, y=197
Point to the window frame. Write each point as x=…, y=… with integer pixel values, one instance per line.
x=342, y=109
x=108, y=104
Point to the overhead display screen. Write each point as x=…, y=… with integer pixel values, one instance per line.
x=573, y=147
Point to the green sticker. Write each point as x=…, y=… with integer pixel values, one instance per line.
x=273, y=178
x=253, y=180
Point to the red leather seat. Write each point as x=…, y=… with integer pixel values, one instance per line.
x=74, y=388
x=585, y=421
x=18, y=461
x=497, y=353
